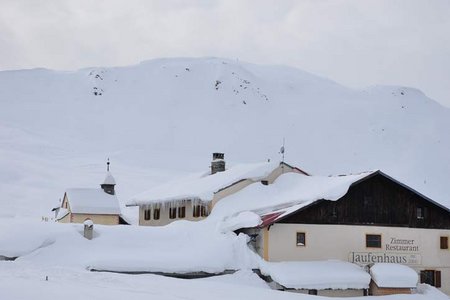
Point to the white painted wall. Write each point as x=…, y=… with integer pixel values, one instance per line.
x=340, y=241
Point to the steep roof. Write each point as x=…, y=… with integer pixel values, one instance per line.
x=203, y=186
x=92, y=201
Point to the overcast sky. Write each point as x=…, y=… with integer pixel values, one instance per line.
x=355, y=42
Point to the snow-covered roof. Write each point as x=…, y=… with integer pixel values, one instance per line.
x=394, y=275
x=109, y=179
x=289, y=192
x=203, y=186
x=92, y=201
x=317, y=275
x=62, y=212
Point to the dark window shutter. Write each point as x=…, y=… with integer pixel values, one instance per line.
x=444, y=242
x=437, y=280
x=423, y=277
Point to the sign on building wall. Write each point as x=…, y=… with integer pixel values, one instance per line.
x=365, y=258
x=400, y=251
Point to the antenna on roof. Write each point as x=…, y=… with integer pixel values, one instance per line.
x=107, y=165
x=282, y=152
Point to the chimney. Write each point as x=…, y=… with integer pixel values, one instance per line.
x=218, y=163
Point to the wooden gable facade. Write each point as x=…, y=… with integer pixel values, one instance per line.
x=377, y=200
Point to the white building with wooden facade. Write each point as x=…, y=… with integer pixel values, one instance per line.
x=364, y=219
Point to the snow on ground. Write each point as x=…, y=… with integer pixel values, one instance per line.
x=163, y=118
x=180, y=247
x=317, y=275
x=60, y=252
x=24, y=281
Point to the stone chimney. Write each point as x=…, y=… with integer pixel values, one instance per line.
x=218, y=163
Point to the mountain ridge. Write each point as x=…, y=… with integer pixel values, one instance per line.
x=171, y=114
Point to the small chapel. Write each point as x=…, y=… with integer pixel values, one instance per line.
x=100, y=205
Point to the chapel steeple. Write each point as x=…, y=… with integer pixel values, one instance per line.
x=109, y=182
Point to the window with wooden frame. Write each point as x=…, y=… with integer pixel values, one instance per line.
x=196, y=211
x=301, y=239
x=147, y=214
x=444, y=242
x=431, y=277
x=182, y=212
x=172, y=213
x=156, y=214
x=373, y=240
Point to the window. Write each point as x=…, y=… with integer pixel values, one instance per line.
x=373, y=240
x=444, y=242
x=196, y=211
x=420, y=213
x=431, y=277
x=301, y=239
x=156, y=214
x=204, y=211
x=181, y=211
x=147, y=213
x=172, y=213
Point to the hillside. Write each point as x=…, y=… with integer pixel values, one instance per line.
x=165, y=117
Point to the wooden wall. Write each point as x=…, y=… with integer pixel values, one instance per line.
x=377, y=201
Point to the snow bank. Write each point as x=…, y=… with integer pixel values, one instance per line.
x=181, y=247
x=318, y=275
x=394, y=275
x=245, y=219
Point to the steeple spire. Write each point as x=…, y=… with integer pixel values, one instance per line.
x=109, y=182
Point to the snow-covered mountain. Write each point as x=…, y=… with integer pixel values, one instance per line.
x=164, y=117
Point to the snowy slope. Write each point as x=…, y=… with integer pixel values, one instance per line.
x=163, y=117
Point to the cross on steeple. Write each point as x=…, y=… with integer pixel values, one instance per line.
x=107, y=165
